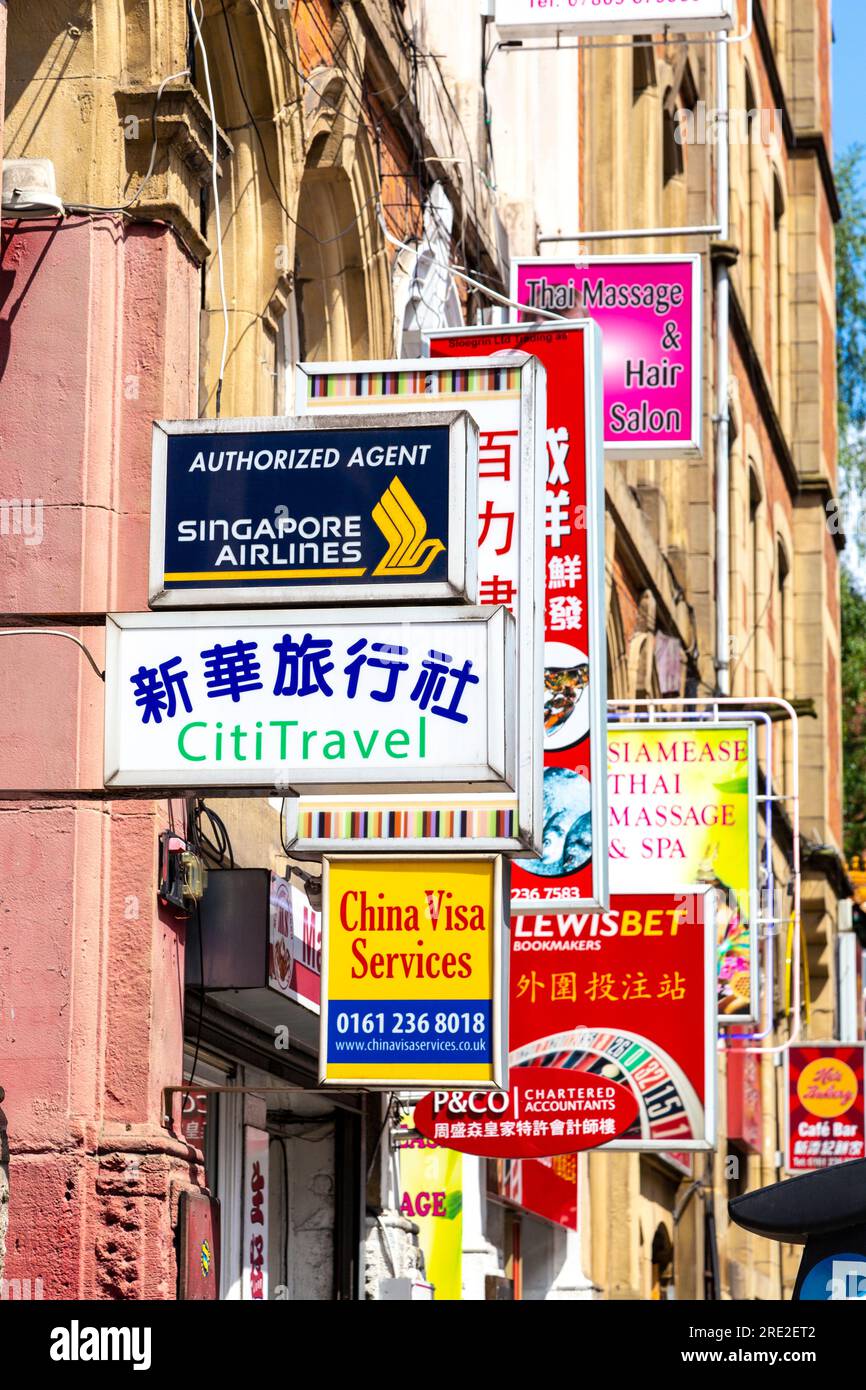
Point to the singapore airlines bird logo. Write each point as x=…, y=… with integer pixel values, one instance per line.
x=405, y=529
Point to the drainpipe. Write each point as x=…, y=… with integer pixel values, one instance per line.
x=722, y=415
x=4, y=1145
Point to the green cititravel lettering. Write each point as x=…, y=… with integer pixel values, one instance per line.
x=422, y=736
x=366, y=749
x=336, y=740
x=397, y=738
x=283, y=725
x=190, y=757
x=307, y=737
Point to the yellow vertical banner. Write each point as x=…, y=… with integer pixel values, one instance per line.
x=431, y=1181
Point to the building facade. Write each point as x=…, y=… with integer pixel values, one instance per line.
x=252, y=183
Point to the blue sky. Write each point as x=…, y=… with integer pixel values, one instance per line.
x=849, y=52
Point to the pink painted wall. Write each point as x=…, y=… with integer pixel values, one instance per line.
x=98, y=336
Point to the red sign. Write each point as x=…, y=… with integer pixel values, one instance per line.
x=572, y=872
x=825, y=1106
x=198, y=1222
x=744, y=1096
x=545, y=1112
x=627, y=995
x=546, y=1187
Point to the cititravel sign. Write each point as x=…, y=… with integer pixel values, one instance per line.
x=413, y=971
x=310, y=698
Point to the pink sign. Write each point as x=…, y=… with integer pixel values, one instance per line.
x=649, y=312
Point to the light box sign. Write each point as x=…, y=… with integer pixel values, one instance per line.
x=322, y=698
x=825, y=1090
x=526, y=19
x=571, y=873
x=545, y=1187
x=295, y=945
x=282, y=510
x=683, y=810
x=506, y=398
x=413, y=969
x=649, y=309
x=627, y=995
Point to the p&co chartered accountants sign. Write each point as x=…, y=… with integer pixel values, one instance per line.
x=311, y=698
x=547, y=18
x=275, y=511
x=413, y=971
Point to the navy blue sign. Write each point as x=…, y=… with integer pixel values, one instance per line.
x=283, y=512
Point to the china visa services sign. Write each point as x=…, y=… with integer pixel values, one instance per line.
x=414, y=972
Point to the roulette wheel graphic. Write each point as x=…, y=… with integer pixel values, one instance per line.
x=669, y=1111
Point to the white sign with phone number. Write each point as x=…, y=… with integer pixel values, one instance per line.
x=531, y=18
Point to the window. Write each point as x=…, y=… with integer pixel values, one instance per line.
x=673, y=163
x=779, y=288
x=754, y=605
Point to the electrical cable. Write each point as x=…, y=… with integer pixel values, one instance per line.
x=470, y=280
x=216, y=201
x=319, y=241
x=52, y=632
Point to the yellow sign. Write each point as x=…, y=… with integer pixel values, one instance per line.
x=411, y=975
x=431, y=1181
x=404, y=527
x=827, y=1088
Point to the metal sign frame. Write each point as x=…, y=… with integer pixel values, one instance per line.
x=499, y=979
x=501, y=705
x=527, y=806
x=723, y=725
x=462, y=582
x=554, y=21
x=644, y=448
x=597, y=900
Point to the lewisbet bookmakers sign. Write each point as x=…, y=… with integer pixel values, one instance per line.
x=413, y=971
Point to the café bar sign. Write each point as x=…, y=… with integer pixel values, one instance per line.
x=346, y=510
x=519, y=19
x=413, y=972
x=323, y=699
